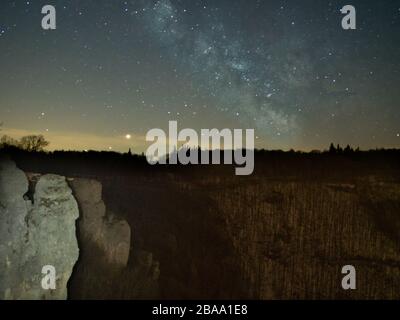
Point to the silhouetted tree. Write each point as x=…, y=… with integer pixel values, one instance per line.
x=7, y=141
x=33, y=143
x=332, y=148
x=348, y=149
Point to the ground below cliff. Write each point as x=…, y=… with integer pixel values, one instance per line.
x=283, y=233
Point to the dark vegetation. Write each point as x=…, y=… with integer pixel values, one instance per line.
x=335, y=163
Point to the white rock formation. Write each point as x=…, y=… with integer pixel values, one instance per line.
x=109, y=234
x=33, y=235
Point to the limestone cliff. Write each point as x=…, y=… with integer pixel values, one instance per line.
x=105, y=242
x=38, y=215
x=35, y=233
x=106, y=231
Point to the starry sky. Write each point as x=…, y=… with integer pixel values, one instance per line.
x=112, y=70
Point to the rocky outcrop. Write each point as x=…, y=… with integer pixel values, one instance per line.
x=102, y=271
x=35, y=231
x=38, y=214
x=108, y=233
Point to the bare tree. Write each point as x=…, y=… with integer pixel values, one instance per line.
x=33, y=143
x=6, y=141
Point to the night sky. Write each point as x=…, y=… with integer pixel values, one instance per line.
x=112, y=70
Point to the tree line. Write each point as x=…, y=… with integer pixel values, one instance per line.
x=31, y=143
